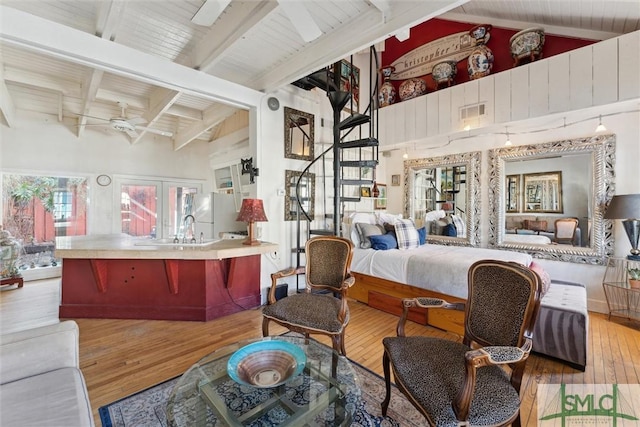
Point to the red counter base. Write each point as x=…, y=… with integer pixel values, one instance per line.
x=159, y=289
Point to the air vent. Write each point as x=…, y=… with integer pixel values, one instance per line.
x=472, y=111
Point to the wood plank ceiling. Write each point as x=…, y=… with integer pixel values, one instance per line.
x=252, y=43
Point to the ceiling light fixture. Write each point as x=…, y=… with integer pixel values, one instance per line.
x=508, y=141
x=600, y=127
x=405, y=155
x=466, y=128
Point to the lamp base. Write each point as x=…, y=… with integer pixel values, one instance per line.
x=251, y=242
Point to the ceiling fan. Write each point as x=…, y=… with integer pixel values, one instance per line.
x=130, y=126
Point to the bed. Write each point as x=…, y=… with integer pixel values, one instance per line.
x=528, y=239
x=384, y=277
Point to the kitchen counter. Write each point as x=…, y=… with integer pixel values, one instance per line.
x=122, y=277
x=122, y=246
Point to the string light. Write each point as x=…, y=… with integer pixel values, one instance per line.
x=600, y=127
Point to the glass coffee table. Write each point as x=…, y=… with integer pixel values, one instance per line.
x=325, y=393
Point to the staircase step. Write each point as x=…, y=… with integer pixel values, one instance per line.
x=350, y=199
x=356, y=182
x=338, y=99
x=365, y=142
x=359, y=163
x=320, y=232
x=353, y=121
x=317, y=79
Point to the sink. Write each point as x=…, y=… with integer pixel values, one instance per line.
x=170, y=242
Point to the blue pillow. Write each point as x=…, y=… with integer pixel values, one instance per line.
x=450, y=230
x=384, y=242
x=422, y=235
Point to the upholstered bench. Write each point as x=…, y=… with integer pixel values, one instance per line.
x=563, y=324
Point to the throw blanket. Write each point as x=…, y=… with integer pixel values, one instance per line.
x=434, y=267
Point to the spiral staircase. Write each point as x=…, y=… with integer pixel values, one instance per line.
x=346, y=163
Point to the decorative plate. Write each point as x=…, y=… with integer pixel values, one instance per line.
x=527, y=41
x=265, y=364
x=445, y=70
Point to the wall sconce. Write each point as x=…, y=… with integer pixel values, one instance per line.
x=252, y=211
x=627, y=208
x=508, y=141
x=600, y=127
x=247, y=168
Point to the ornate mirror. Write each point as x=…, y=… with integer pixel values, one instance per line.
x=543, y=192
x=440, y=191
x=298, y=134
x=307, y=194
x=560, y=179
x=512, y=195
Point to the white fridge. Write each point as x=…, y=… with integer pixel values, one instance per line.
x=216, y=213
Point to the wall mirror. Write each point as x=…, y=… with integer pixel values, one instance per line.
x=450, y=184
x=583, y=169
x=512, y=193
x=543, y=192
x=298, y=134
x=307, y=194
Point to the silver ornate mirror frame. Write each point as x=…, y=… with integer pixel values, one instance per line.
x=471, y=161
x=602, y=148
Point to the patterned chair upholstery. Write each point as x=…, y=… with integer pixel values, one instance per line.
x=565, y=230
x=322, y=308
x=451, y=382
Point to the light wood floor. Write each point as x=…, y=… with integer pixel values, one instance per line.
x=121, y=357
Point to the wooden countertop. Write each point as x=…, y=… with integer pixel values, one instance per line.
x=120, y=246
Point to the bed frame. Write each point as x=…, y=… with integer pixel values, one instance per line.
x=386, y=295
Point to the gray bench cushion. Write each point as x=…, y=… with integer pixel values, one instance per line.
x=563, y=324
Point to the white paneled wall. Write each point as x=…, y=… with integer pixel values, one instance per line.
x=599, y=74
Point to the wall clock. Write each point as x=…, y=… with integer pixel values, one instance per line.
x=103, y=180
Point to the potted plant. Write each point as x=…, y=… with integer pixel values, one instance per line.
x=634, y=278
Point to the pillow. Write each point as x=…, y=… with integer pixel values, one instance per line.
x=406, y=234
x=450, y=231
x=367, y=230
x=384, y=242
x=383, y=217
x=461, y=227
x=356, y=217
x=422, y=235
x=545, y=279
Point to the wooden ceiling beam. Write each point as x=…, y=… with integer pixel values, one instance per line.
x=108, y=18
x=212, y=116
x=238, y=19
x=160, y=101
x=40, y=35
x=7, y=108
x=361, y=32
x=29, y=78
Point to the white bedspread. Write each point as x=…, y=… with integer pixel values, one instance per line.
x=529, y=239
x=437, y=268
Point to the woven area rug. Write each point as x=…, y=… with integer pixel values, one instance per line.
x=147, y=408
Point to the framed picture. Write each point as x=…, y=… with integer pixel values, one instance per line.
x=381, y=200
x=395, y=180
x=365, y=192
x=350, y=82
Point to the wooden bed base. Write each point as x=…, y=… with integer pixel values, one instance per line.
x=387, y=295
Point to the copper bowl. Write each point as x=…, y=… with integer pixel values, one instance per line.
x=265, y=364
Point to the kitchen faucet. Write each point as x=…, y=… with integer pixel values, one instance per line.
x=190, y=230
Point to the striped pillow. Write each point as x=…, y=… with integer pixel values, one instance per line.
x=406, y=234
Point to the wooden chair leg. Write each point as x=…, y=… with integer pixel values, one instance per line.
x=265, y=326
x=387, y=383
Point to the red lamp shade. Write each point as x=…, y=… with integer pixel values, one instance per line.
x=252, y=210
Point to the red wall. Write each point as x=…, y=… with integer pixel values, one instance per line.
x=498, y=43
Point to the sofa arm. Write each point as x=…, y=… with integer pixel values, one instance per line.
x=39, y=350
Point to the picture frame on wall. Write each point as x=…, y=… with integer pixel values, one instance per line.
x=381, y=200
x=350, y=79
x=395, y=180
x=365, y=192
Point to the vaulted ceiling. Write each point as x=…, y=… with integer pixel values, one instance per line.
x=189, y=69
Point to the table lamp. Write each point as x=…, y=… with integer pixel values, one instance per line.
x=627, y=207
x=251, y=211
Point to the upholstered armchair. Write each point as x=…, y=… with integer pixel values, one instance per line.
x=322, y=308
x=565, y=230
x=451, y=382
